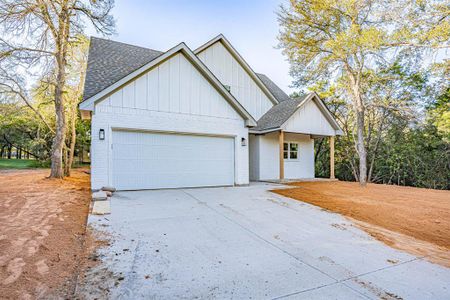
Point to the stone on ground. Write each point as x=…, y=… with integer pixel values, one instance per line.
x=109, y=189
x=101, y=208
x=100, y=195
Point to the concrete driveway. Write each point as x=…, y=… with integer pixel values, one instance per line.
x=248, y=243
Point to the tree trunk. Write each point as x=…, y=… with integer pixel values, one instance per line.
x=73, y=139
x=375, y=151
x=73, y=123
x=9, y=151
x=361, y=146
x=58, y=141
x=359, y=109
x=60, y=132
x=318, y=149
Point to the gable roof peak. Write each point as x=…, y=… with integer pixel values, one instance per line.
x=278, y=115
x=221, y=38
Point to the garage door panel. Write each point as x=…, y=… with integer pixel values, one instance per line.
x=156, y=160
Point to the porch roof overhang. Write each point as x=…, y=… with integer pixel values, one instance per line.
x=313, y=135
x=276, y=118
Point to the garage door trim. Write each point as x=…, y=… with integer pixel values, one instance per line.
x=172, y=132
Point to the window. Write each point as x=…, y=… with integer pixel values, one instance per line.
x=290, y=150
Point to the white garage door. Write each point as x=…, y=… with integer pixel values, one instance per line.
x=144, y=160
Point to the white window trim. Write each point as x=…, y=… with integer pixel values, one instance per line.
x=289, y=150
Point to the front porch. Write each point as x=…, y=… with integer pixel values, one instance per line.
x=281, y=156
x=285, y=152
x=282, y=145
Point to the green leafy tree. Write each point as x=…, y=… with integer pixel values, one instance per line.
x=405, y=145
x=439, y=114
x=347, y=40
x=22, y=131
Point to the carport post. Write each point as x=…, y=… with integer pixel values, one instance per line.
x=281, y=142
x=332, y=157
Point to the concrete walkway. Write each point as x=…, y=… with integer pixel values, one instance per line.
x=248, y=243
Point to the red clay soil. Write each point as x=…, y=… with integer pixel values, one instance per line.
x=413, y=219
x=42, y=233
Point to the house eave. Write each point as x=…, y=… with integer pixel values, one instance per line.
x=265, y=131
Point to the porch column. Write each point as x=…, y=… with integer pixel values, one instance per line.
x=281, y=145
x=332, y=157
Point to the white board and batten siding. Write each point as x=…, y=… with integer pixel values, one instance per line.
x=175, y=86
x=309, y=119
x=171, y=98
x=228, y=70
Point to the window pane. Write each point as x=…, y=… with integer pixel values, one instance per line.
x=285, y=155
x=286, y=146
x=293, y=154
x=294, y=146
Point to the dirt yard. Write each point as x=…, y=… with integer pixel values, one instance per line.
x=42, y=231
x=411, y=219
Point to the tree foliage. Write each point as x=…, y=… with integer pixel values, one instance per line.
x=405, y=145
x=20, y=128
x=38, y=34
x=367, y=60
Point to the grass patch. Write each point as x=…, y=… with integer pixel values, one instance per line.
x=32, y=164
x=19, y=163
x=77, y=165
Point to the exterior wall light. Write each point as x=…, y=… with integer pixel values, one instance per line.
x=243, y=142
x=101, y=134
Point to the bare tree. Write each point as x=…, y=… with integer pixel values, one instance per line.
x=38, y=31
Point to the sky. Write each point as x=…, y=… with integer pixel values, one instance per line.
x=250, y=25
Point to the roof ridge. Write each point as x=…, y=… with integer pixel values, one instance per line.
x=300, y=96
x=123, y=43
x=278, y=114
x=279, y=93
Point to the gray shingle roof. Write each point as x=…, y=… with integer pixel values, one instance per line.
x=278, y=93
x=278, y=114
x=110, y=61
